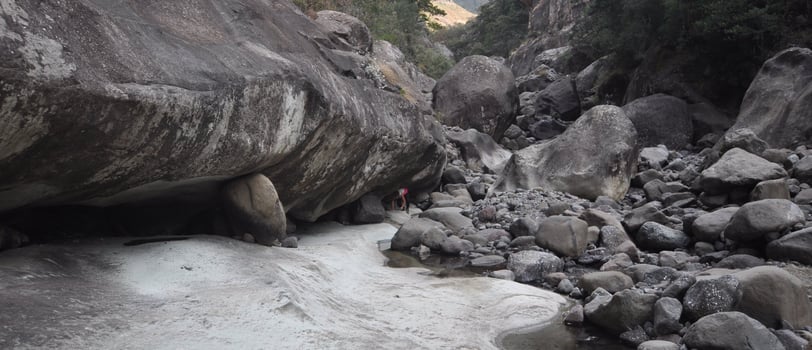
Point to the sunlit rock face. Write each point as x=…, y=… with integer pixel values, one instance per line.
x=104, y=103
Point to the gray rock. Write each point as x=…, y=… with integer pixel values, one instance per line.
x=709, y=227
x=654, y=157
x=642, y=178
x=503, y=274
x=795, y=246
x=777, y=104
x=11, y=238
x=657, y=237
x=488, y=261
x=603, y=168
x=739, y=261
x=477, y=191
x=450, y=217
x=611, y=281
x=487, y=103
x=738, y=168
x=667, y=313
x=564, y=287
x=661, y=275
x=774, y=297
x=638, y=272
x=453, y=175
x=679, y=286
x=411, y=232
x=347, y=29
x=290, y=242
x=564, y=235
x=661, y=119
x=650, y=212
x=790, y=340
x=368, y=210
x=804, y=197
x=616, y=241
x=529, y=266
x=524, y=227
x=710, y=296
x=433, y=238
x=730, y=331
x=803, y=170
x=617, y=262
x=253, y=206
x=454, y=245
x=560, y=100
x=677, y=260
x=770, y=189
x=634, y=337
x=657, y=345
x=479, y=150
x=745, y=139
x=756, y=219
x=622, y=311
x=523, y=242
x=575, y=316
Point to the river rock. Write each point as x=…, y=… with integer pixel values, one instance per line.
x=622, y=311
x=649, y=212
x=603, y=167
x=803, y=170
x=778, y=104
x=770, y=189
x=773, y=296
x=667, y=313
x=661, y=120
x=253, y=206
x=658, y=345
x=524, y=227
x=657, y=237
x=454, y=245
x=708, y=227
x=488, y=261
x=739, y=261
x=212, y=97
x=486, y=103
x=739, y=168
x=529, y=265
x=756, y=219
x=479, y=151
x=790, y=340
x=433, y=238
x=795, y=246
x=730, y=331
x=410, y=234
x=744, y=139
x=611, y=281
x=710, y=296
x=559, y=100
x=450, y=217
x=369, y=210
x=564, y=235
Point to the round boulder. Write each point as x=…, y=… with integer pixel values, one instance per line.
x=795, y=246
x=730, y=331
x=756, y=219
x=252, y=206
x=564, y=235
x=657, y=237
x=478, y=92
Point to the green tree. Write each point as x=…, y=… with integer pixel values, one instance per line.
x=500, y=27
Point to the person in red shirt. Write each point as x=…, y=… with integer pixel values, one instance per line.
x=403, y=196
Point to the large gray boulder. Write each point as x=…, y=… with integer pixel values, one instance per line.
x=134, y=102
x=774, y=297
x=412, y=232
x=661, y=120
x=756, y=219
x=479, y=150
x=478, y=92
x=738, y=168
x=730, y=331
x=778, y=104
x=253, y=206
x=605, y=143
x=795, y=246
x=622, y=311
x=564, y=235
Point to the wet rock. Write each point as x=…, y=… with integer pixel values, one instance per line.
x=795, y=246
x=756, y=219
x=253, y=206
x=656, y=237
x=710, y=296
x=730, y=331
x=487, y=103
x=529, y=266
x=564, y=235
x=611, y=281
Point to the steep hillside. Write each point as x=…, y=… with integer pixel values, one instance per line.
x=454, y=13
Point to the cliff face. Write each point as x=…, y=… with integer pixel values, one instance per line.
x=105, y=103
x=552, y=20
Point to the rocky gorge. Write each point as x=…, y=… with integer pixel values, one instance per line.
x=665, y=222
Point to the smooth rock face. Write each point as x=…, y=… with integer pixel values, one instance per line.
x=710, y=296
x=739, y=168
x=661, y=120
x=657, y=237
x=479, y=150
x=253, y=207
x=778, y=104
x=708, y=227
x=564, y=235
x=773, y=296
x=121, y=103
x=730, y=331
x=604, y=165
x=478, y=92
x=622, y=311
x=611, y=281
x=795, y=246
x=529, y=265
x=755, y=219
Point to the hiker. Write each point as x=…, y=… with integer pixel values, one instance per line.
x=403, y=196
